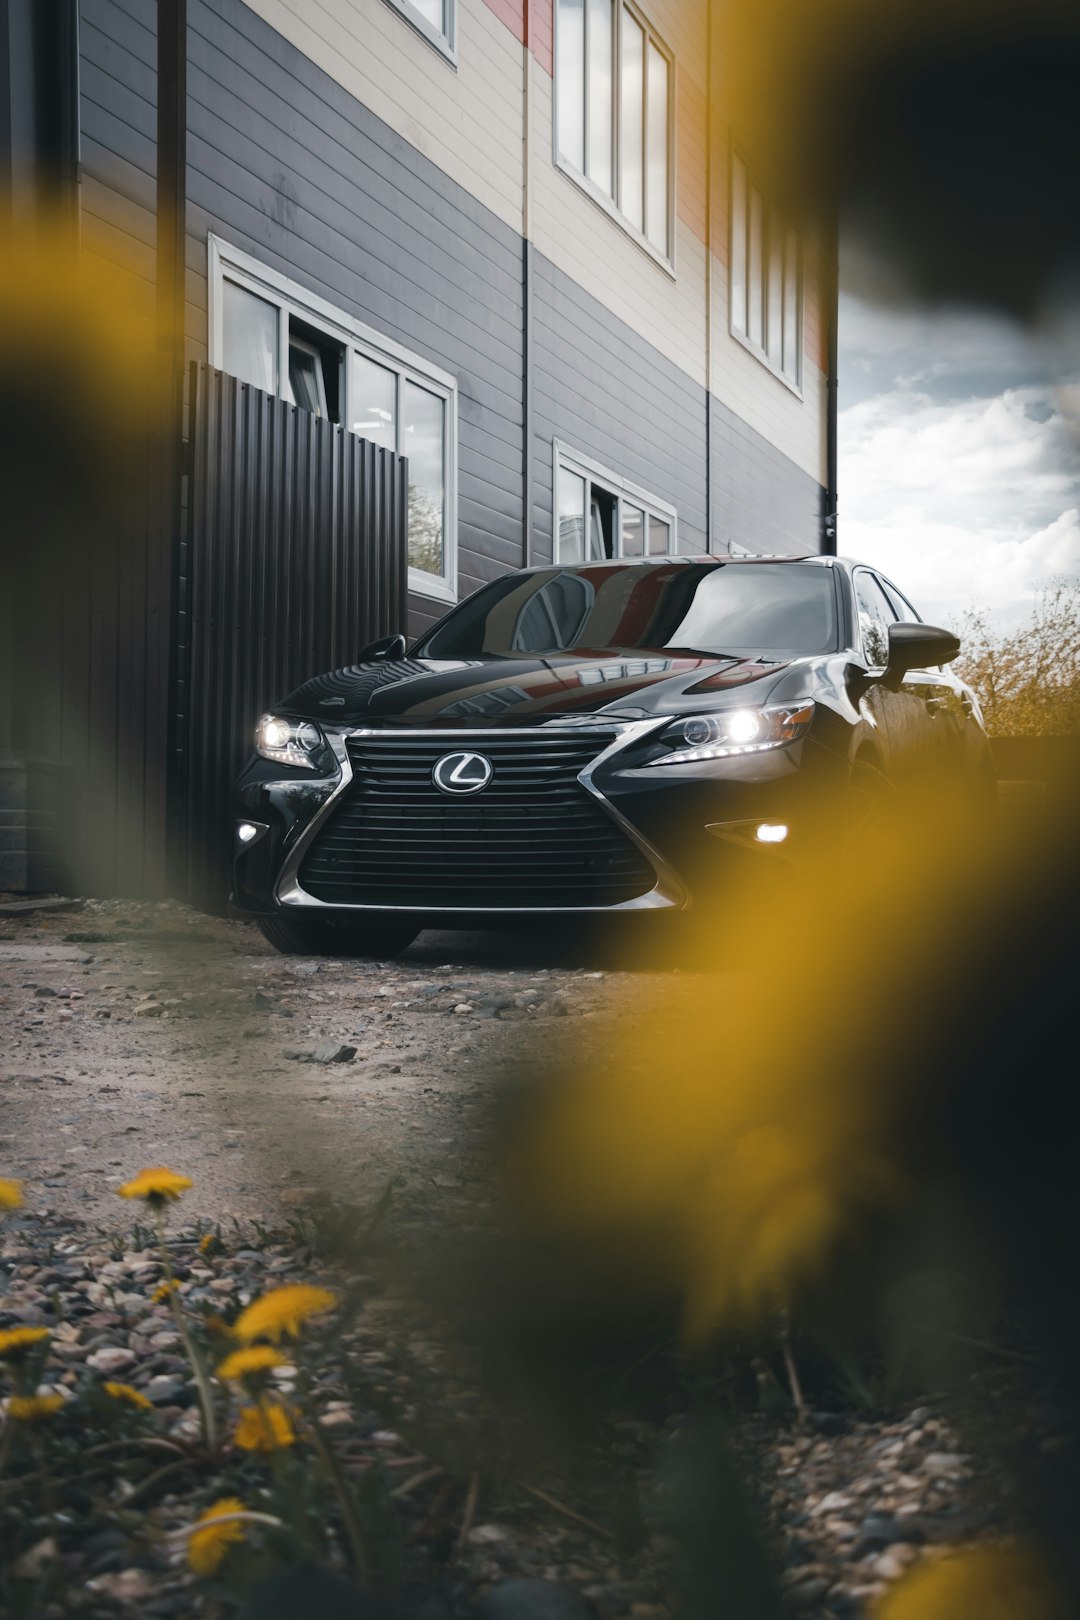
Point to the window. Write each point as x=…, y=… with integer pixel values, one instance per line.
x=599, y=515
x=614, y=114
x=766, y=278
x=268, y=331
x=434, y=20
x=876, y=613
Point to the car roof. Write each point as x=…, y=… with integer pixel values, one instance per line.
x=713, y=559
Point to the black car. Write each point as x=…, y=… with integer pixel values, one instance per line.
x=596, y=739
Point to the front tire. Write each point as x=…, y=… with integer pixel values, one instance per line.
x=871, y=818
x=331, y=936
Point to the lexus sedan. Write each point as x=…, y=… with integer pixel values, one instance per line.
x=596, y=739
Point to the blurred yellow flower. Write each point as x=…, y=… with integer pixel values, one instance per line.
x=209, y=1542
x=163, y=1290
x=282, y=1312
x=10, y=1194
x=207, y=1242
x=29, y=1408
x=268, y=1427
x=157, y=1186
x=14, y=1340
x=128, y=1393
x=974, y=1583
x=258, y=1358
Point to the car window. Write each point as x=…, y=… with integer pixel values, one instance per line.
x=901, y=606
x=748, y=609
x=876, y=613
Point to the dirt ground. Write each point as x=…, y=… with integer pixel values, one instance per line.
x=139, y=1034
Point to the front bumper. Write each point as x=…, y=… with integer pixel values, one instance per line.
x=691, y=824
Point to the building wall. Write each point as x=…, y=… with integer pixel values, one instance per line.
x=332, y=142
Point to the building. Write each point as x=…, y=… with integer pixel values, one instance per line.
x=514, y=240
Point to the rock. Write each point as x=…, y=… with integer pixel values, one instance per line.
x=111, y=1361
x=148, y=1009
x=333, y=1052
x=125, y=1586
x=30, y=1565
x=529, y=1599
x=944, y=1464
x=805, y=1594
x=881, y=1530
x=168, y=1392
x=834, y=1502
x=489, y=1535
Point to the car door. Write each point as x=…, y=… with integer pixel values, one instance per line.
x=901, y=716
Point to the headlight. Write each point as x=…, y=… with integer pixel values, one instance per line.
x=733, y=731
x=289, y=742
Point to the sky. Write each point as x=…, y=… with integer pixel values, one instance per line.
x=959, y=457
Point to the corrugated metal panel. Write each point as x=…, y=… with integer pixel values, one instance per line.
x=296, y=559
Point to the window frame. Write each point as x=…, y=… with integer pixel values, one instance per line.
x=445, y=44
x=580, y=177
x=228, y=263
x=564, y=457
x=761, y=353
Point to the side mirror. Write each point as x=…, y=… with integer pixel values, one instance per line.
x=915, y=646
x=387, y=649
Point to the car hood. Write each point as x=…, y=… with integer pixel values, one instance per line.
x=521, y=691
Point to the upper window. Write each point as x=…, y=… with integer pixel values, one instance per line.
x=600, y=515
x=270, y=332
x=434, y=19
x=615, y=113
x=766, y=278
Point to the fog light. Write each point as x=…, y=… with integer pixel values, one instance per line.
x=246, y=831
x=770, y=832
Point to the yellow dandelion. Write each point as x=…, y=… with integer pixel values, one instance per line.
x=258, y=1358
x=10, y=1194
x=157, y=1186
x=13, y=1341
x=987, y=1582
x=29, y=1408
x=282, y=1312
x=207, y=1243
x=209, y=1542
x=163, y=1290
x=268, y=1427
x=128, y=1393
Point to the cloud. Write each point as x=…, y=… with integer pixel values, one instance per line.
x=961, y=482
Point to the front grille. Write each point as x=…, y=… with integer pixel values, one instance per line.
x=533, y=838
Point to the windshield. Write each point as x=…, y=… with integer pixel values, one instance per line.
x=745, y=609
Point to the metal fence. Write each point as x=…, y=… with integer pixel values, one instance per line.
x=294, y=557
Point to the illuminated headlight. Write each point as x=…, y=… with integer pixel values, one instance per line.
x=733, y=731
x=289, y=742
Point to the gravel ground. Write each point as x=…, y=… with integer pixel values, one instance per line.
x=140, y=1035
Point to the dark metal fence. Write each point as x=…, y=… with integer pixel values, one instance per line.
x=294, y=558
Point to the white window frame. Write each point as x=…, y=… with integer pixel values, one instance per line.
x=445, y=44
x=761, y=353
x=564, y=457
x=228, y=263
x=595, y=193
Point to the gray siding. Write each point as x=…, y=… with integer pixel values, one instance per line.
x=284, y=163
x=761, y=500
x=601, y=388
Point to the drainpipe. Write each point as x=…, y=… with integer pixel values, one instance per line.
x=526, y=287
x=829, y=526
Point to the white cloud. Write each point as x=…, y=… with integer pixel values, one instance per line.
x=965, y=501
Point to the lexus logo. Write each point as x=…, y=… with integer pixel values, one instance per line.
x=462, y=773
